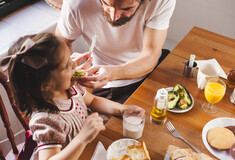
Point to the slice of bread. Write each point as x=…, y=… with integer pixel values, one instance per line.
x=125, y=157
x=177, y=153
x=137, y=151
x=220, y=138
x=78, y=74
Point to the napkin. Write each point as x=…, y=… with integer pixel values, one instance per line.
x=212, y=61
x=99, y=153
x=167, y=156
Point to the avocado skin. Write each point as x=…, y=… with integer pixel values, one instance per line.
x=184, y=94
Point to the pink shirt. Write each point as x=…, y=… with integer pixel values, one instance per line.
x=57, y=130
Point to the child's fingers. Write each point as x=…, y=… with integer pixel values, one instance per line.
x=92, y=126
x=95, y=119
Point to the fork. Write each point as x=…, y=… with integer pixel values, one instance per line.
x=176, y=134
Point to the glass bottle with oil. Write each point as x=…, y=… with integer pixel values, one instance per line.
x=158, y=114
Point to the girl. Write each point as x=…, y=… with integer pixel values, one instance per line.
x=40, y=71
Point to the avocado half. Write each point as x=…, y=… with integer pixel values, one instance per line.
x=173, y=99
x=184, y=94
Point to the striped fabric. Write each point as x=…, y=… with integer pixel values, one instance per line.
x=55, y=3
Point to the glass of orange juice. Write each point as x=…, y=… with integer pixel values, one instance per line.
x=214, y=92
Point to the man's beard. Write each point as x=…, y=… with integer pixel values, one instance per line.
x=120, y=21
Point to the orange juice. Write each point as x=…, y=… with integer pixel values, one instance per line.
x=214, y=92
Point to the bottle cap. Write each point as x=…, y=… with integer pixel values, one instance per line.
x=162, y=94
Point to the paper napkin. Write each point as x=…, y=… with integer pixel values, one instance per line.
x=99, y=153
x=212, y=61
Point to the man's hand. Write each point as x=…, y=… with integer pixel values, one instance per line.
x=97, y=77
x=79, y=58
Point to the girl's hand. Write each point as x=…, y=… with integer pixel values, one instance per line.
x=92, y=126
x=134, y=108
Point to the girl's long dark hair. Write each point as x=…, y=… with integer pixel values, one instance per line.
x=27, y=82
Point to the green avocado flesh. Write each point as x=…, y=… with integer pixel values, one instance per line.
x=173, y=98
x=79, y=73
x=181, y=94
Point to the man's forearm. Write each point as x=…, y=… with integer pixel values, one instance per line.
x=134, y=69
x=153, y=41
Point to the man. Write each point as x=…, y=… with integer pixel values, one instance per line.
x=130, y=35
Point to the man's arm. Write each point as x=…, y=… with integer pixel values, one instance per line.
x=153, y=41
x=67, y=41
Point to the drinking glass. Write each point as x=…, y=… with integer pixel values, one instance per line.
x=214, y=92
x=133, y=124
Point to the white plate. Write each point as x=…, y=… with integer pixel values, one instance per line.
x=119, y=148
x=217, y=122
x=177, y=110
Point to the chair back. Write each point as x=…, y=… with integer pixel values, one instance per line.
x=4, y=116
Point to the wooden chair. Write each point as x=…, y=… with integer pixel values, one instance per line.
x=4, y=115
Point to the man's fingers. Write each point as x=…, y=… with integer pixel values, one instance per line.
x=90, y=78
x=78, y=57
x=92, y=70
x=86, y=64
x=93, y=84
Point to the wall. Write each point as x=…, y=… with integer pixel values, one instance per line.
x=215, y=15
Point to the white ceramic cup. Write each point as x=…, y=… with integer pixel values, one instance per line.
x=206, y=72
x=133, y=124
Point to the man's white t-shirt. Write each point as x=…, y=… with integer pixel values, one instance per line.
x=114, y=45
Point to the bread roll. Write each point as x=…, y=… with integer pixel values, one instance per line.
x=220, y=138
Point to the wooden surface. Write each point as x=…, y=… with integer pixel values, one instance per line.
x=90, y=148
x=205, y=45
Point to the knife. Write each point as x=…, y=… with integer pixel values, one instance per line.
x=92, y=43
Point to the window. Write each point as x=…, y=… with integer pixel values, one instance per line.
x=8, y=6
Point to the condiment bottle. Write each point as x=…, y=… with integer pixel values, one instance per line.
x=231, y=79
x=231, y=84
x=158, y=114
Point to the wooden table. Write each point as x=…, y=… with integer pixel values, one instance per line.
x=205, y=45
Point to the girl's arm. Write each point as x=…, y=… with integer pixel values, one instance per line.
x=92, y=126
x=105, y=106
